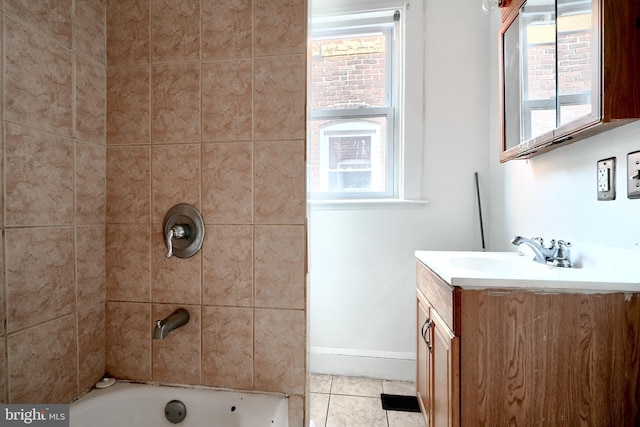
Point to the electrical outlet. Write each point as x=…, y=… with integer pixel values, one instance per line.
x=633, y=175
x=606, y=179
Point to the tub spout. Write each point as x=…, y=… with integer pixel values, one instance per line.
x=178, y=318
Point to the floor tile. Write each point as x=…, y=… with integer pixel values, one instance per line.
x=319, y=408
x=320, y=383
x=405, y=419
x=356, y=386
x=403, y=388
x=338, y=401
x=355, y=411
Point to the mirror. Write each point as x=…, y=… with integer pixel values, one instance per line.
x=549, y=60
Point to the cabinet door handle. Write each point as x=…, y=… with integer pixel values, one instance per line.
x=424, y=332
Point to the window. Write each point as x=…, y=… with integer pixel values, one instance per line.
x=354, y=145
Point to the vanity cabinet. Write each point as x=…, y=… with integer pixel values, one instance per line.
x=524, y=357
x=438, y=365
x=569, y=69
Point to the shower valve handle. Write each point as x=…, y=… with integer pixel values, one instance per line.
x=177, y=232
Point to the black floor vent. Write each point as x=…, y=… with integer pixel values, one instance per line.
x=395, y=402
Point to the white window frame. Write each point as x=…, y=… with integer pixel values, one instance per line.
x=362, y=23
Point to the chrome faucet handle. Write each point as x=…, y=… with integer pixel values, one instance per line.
x=562, y=254
x=177, y=232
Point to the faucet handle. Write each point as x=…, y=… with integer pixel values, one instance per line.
x=177, y=232
x=562, y=254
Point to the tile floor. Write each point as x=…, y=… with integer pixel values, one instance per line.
x=355, y=402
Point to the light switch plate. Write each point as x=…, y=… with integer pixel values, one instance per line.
x=633, y=175
x=606, y=179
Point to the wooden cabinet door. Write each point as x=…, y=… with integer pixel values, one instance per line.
x=445, y=376
x=423, y=365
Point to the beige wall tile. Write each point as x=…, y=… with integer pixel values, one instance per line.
x=128, y=30
x=280, y=27
x=279, y=350
x=128, y=105
x=279, y=266
x=219, y=108
x=227, y=100
x=52, y=17
x=176, y=177
x=128, y=262
x=91, y=273
x=3, y=372
x=128, y=340
x=90, y=29
x=296, y=410
x=54, y=88
x=175, y=30
x=44, y=99
x=227, y=183
x=176, y=280
x=40, y=275
x=3, y=314
x=43, y=376
x=227, y=347
x=279, y=191
x=175, y=103
x=2, y=38
x=91, y=93
x=279, y=97
x=39, y=177
x=227, y=29
x=228, y=265
x=176, y=358
x=129, y=185
x=91, y=345
x=91, y=179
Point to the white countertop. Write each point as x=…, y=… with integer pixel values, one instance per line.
x=512, y=270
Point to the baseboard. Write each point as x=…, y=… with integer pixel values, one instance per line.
x=361, y=363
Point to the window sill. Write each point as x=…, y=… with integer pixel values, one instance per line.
x=364, y=204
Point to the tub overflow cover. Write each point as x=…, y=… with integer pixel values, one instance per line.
x=175, y=411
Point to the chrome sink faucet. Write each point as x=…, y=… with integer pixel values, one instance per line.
x=556, y=254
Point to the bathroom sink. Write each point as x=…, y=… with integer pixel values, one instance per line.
x=516, y=270
x=493, y=262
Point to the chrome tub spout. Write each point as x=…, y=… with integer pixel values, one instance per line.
x=178, y=318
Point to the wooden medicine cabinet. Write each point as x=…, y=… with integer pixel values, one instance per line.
x=569, y=69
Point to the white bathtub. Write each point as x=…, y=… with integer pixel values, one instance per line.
x=140, y=405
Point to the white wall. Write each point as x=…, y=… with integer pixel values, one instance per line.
x=554, y=195
x=362, y=267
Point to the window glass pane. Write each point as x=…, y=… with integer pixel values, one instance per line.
x=348, y=72
x=349, y=163
x=348, y=155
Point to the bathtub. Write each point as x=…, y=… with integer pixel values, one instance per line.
x=141, y=405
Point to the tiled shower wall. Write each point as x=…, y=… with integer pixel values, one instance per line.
x=206, y=106
x=52, y=136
